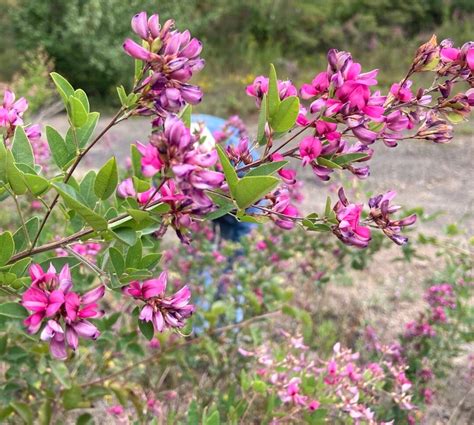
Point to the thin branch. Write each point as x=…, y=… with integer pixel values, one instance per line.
x=71, y=171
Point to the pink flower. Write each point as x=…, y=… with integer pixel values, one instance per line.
x=163, y=312
x=318, y=86
x=402, y=93
x=151, y=163
x=292, y=394
x=313, y=405
x=261, y=245
x=50, y=296
x=310, y=148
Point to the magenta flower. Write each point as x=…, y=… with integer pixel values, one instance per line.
x=50, y=296
x=310, y=148
x=164, y=312
x=349, y=230
x=402, y=93
x=151, y=163
x=172, y=58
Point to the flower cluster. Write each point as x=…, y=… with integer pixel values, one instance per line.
x=171, y=57
x=162, y=311
x=51, y=300
x=350, y=388
x=11, y=116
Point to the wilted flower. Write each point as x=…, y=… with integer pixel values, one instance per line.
x=380, y=211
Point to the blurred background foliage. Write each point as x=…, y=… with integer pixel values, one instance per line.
x=83, y=38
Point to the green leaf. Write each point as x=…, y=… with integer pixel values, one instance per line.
x=107, y=179
x=72, y=200
x=140, y=185
x=455, y=117
x=7, y=247
x=285, y=117
x=86, y=189
x=348, y=158
x=134, y=255
x=267, y=169
x=83, y=134
x=78, y=113
x=23, y=410
x=136, y=161
x=72, y=397
x=220, y=212
x=3, y=162
x=126, y=235
x=186, y=116
x=85, y=419
x=327, y=207
x=262, y=120
x=213, y=419
x=122, y=95
x=193, y=414
x=229, y=172
x=117, y=260
x=37, y=185
x=15, y=176
x=63, y=86
x=150, y=260
x=45, y=413
x=82, y=96
x=328, y=163
x=251, y=189
x=13, y=310
x=138, y=215
x=61, y=154
x=61, y=372
x=147, y=329
x=273, y=93
x=32, y=226
x=259, y=386
x=21, y=148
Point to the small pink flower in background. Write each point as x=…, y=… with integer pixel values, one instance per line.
x=50, y=297
x=164, y=312
x=116, y=410
x=292, y=394
x=261, y=245
x=313, y=405
x=218, y=257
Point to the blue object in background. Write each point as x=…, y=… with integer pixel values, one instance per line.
x=230, y=227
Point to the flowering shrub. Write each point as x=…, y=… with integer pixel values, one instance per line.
x=104, y=234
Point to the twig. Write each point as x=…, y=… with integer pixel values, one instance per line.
x=71, y=171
